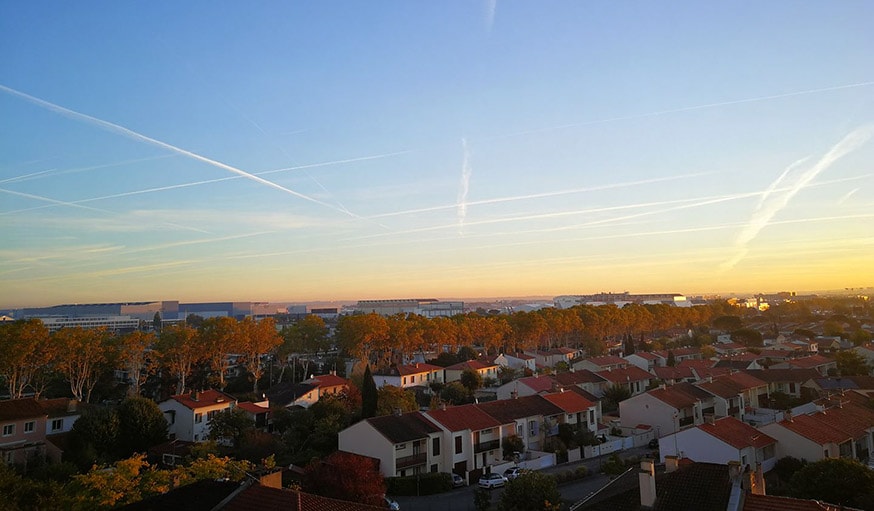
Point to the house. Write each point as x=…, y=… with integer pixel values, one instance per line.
x=667, y=409
x=728, y=349
x=307, y=392
x=409, y=375
x=807, y=437
x=517, y=361
x=472, y=439
x=645, y=360
x=584, y=379
x=549, y=358
x=822, y=364
x=602, y=363
x=825, y=386
x=580, y=413
x=188, y=415
x=404, y=444
x=528, y=386
x=739, y=362
x=453, y=372
x=735, y=392
x=867, y=352
x=635, y=379
x=673, y=375
x=62, y=413
x=721, y=441
x=681, y=354
x=786, y=381
x=258, y=412
x=531, y=418
x=22, y=431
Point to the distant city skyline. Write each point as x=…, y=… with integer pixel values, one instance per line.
x=302, y=152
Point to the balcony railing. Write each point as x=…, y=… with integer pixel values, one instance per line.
x=411, y=461
x=734, y=410
x=487, y=446
x=687, y=421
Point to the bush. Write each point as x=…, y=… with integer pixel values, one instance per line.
x=422, y=484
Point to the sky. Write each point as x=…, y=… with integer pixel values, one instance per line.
x=295, y=151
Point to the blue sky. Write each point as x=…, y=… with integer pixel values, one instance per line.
x=333, y=150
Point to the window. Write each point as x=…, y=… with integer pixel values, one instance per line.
x=198, y=418
x=211, y=414
x=405, y=380
x=435, y=446
x=8, y=429
x=532, y=428
x=434, y=468
x=29, y=426
x=57, y=424
x=400, y=447
x=459, y=447
x=8, y=457
x=591, y=416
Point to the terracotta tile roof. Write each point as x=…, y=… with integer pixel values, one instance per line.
x=204, y=399
x=252, y=407
x=736, y=433
x=810, y=427
x=538, y=383
x=696, y=364
x=753, y=502
x=506, y=411
x=570, y=402
x=720, y=388
x=328, y=380
x=673, y=373
x=200, y=496
x=744, y=381
x=460, y=418
x=470, y=364
x=408, y=369
x=810, y=362
x=26, y=408
x=646, y=355
x=403, y=428
x=850, y=418
x=625, y=374
x=287, y=392
x=607, y=360
x=263, y=498
x=588, y=395
x=60, y=407
x=783, y=375
x=681, y=395
x=520, y=356
x=578, y=377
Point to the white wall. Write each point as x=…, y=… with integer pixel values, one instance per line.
x=791, y=444
x=362, y=438
x=645, y=409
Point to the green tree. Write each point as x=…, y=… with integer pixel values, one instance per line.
x=369, y=395
x=532, y=491
x=141, y=425
x=672, y=360
x=393, y=399
x=860, y=337
x=511, y=445
x=94, y=438
x=748, y=337
x=728, y=323
x=851, y=363
x=836, y=481
x=482, y=499
x=455, y=393
x=230, y=426
x=471, y=379
x=614, y=395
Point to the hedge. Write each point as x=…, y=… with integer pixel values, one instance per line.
x=422, y=484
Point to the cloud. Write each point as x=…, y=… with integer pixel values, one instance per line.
x=775, y=201
x=464, y=186
x=128, y=133
x=490, y=7
x=847, y=196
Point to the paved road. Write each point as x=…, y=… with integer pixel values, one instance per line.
x=461, y=499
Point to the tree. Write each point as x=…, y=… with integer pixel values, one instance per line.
x=455, y=393
x=362, y=335
x=471, y=379
x=25, y=351
x=616, y=394
x=82, y=355
x=836, y=481
x=672, y=361
x=369, y=395
x=860, y=337
x=512, y=444
x=141, y=425
x=219, y=337
x=346, y=476
x=851, y=363
x=156, y=322
x=393, y=399
x=134, y=356
x=179, y=350
x=748, y=337
x=259, y=339
x=532, y=491
x=94, y=437
x=307, y=335
x=728, y=323
x=230, y=427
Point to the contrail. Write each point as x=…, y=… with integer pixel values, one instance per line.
x=779, y=179
x=542, y=195
x=143, y=138
x=762, y=217
x=686, y=109
x=491, y=7
x=32, y=175
x=56, y=172
x=464, y=186
x=847, y=196
x=53, y=201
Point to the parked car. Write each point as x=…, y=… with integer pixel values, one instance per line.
x=391, y=504
x=493, y=480
x=513, y=472
x=458, y=481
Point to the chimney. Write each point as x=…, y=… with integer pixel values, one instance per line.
x=194, y=395
x=672, y=463
x=646, y=479
x=72, y=405
x=271, y=480
x=734, y=469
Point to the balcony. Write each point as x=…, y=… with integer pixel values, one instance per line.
x=687, y=421
x=734, y=410
x=411, y=461
x=486, y=446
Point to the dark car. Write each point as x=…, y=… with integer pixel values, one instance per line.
x=654, y=443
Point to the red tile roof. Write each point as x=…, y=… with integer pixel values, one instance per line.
x=204, y=399
x=681, y=395
x=646, y=355
x=578, y=377
x=696, y=364
x=570, y=402
x=538, y=383
x=607, y=360
x=520, y=356
x=625, y=374
x=810, y=362
x=252, y=407
x=329, y=380
x=15, y=409
x=470, y=364
x=263, y=498
x=673, y=373
x=754, y=502
x=810, y=427
x=736, y=433
x=460, y=418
